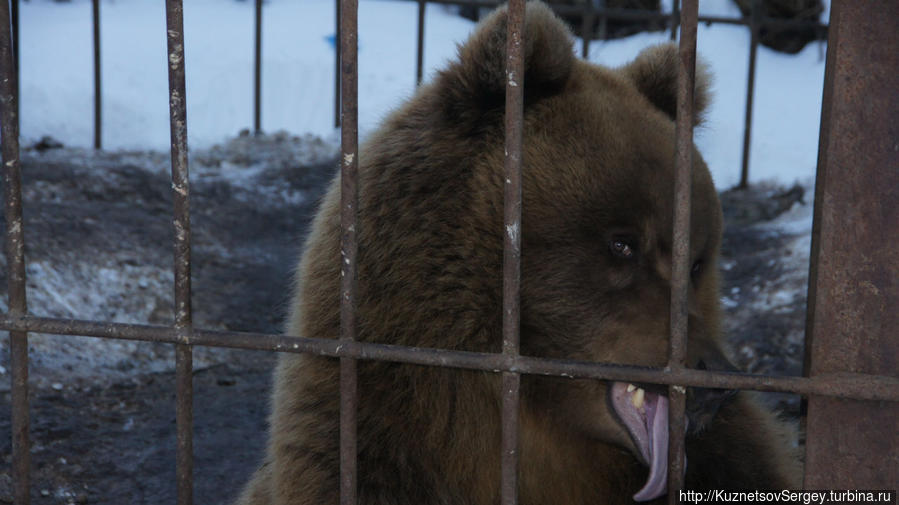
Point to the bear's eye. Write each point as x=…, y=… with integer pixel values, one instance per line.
x=621, y=248
x=697, y=269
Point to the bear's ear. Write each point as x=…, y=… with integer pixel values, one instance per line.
x=654, y=72
x=548, y=54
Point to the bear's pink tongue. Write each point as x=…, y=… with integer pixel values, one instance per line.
x=646, y=416
x=657, y=429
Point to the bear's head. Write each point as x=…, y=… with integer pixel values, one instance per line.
x=598, y=178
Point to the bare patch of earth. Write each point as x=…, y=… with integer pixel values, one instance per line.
x=98, y=238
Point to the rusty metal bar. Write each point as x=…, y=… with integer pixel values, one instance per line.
x=603, y=28
x=181, y=222
x=842, y=385
x=98, y=103
x=680, y=250
x=512, y=171
x=587, y=18
x=420, y=44
x=853, y=288
x=337, y=39
x=514, y=132
x=257, y=69
x=675, y=18
x=349, y=203
x=184, y=422
x=15, y=258
x=15, y=48
x=750, y=92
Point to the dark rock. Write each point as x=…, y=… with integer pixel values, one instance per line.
x=46, y=142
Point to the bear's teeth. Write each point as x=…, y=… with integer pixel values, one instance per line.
x=631, y=388
x=637, y=398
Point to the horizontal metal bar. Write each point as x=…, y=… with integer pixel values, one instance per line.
x=843, y=385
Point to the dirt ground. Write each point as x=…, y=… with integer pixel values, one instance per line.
x=102, y=412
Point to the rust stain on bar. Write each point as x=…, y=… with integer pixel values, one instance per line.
x=349, y=202
x=181, y=221
x=843, y=385
x=98, y=102
x=514, y=126
x=853, y=288
x=680, y=260
x=15, y=260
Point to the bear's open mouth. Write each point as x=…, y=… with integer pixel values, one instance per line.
x=645, y=414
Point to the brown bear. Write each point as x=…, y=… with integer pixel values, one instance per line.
x=596, y=244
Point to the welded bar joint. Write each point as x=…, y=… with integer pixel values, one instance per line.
x=349, y=202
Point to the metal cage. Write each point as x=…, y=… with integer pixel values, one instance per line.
x=852, y=352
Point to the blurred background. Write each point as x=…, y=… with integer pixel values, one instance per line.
x=297, y=92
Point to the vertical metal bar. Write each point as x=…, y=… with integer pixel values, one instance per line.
x=419, y=53
x=587, y=18
x=349, y=198
x=98, y=103
x=680, y=257
x=853, y=293
x=514, y=128
x=750, y=91
x=181, y=221
x=675, y=18
x=184, y=422
x=603, y=21
x=257, y=70
x=15, y=48
x=337, y=41
x=15, y=258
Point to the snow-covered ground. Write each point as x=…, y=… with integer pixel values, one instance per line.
x=298, y=76
x=298, y=80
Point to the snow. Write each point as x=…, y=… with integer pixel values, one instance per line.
x=298, y=76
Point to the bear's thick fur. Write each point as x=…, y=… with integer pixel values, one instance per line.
x=597, y=212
